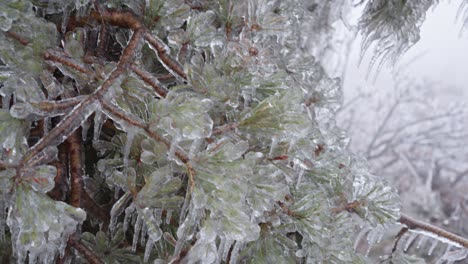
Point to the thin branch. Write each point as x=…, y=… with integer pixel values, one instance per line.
x=76, y=169
x=125, y=19
x=179, y=153
x=81, y=112
x=86, y=252
x=160, y=89
x=225, y=128
x=63, y=59
x=435, y=231
x=398, y=238
x=17, y=37
x=56, y=108
x=161, y=51
x=91, y=207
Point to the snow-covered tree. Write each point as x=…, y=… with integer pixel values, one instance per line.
x=187, y=131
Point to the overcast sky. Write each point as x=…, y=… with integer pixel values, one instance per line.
x=440, y=56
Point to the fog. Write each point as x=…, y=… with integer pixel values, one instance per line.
x=440, y=56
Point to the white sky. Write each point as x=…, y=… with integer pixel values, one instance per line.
x=440, y=56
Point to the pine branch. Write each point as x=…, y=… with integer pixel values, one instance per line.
x=435, y=231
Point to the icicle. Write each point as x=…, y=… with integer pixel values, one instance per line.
x=148, y=248
x=2, y=218
x=128, y=145
x=6, y=102
x=422, y=240
x=172, y=150
x=32, y=257
x=227, y=247
x=433, y=245
x=84, y=129
x=163, y=57
x=452, y=256
x=299, y=178
x=168, y=217
x=221, y=247
x=99, y=119
x=185, y=207
x=144, y=232
x=152, y=221
x=117, y=209
x=374, y=236
x=195, y=148
x=136, y=233
x=128, y=215
x=235, y=252
x=69, y=124
x=274, y=145
x=47, y=125
x=409, y=241
x=359, y=237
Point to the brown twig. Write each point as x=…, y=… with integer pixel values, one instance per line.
x=65, y=60
x=91, y=207
x=17, y=37
x=416, y=225
x=58, y=107
x=161, y=51
x=76, y=169
x=225, y=128
x=86, y=252
x=350, y=207
x=80, y=113
x=160, y=89
x=398, y=238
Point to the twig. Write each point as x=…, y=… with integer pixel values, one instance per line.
x=160, y=89
x=65, y=60
x=422, y=227
x=398, y=238
x=161, y=51
x=76, y=169
x=91, y=207
x=224, y=128
x=17, y=37
x=80, y=113
x=86, y=252
x=116, y=112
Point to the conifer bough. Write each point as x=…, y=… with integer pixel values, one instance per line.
x=178, y=132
